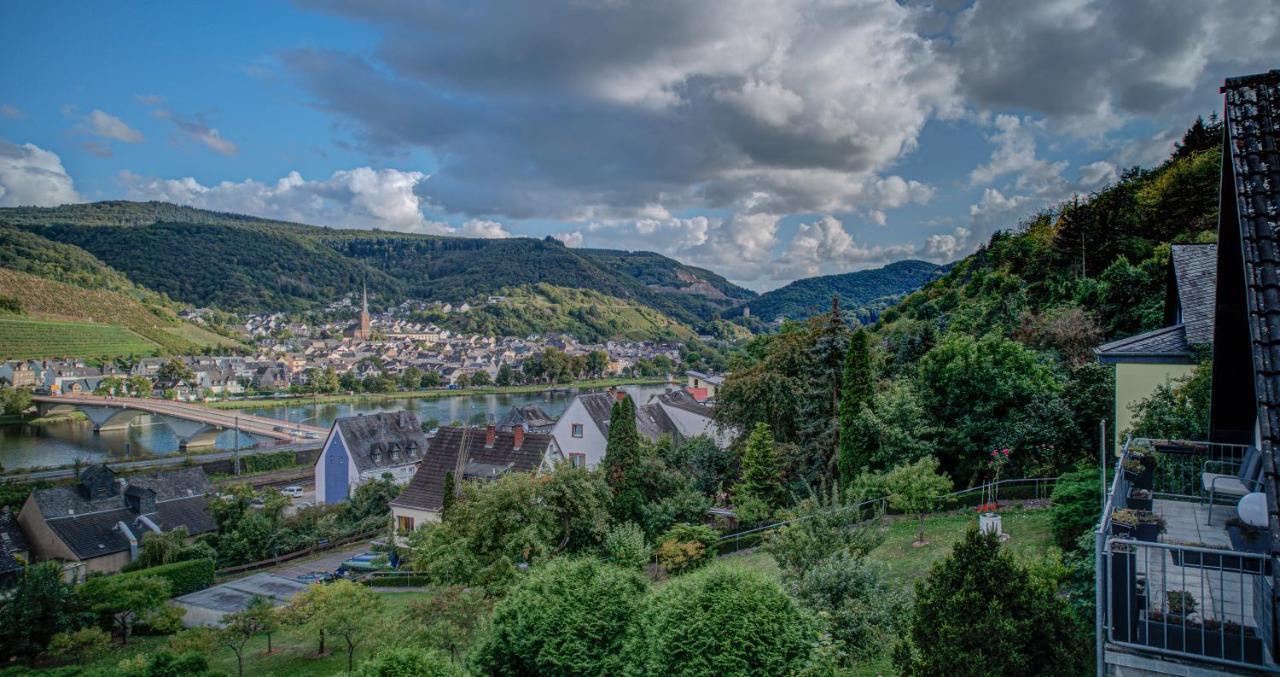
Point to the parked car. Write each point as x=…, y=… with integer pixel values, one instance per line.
x=317, y=577
x=366, y=561
x=292, y=491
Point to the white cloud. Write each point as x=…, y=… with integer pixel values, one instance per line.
x=824, y=246
x=12, y=112
x=33, y=177
x=482, y=228
x=1097, y=173
x=948, y=247
x=1015, y=151
x=111, y=127
x=354, y=198
x=572, y=238
x=198, y=131
x=150, y=99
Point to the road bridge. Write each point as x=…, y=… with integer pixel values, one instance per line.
x=195, y=425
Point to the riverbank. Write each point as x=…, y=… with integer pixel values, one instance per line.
x=261, y=403
x=18, y=419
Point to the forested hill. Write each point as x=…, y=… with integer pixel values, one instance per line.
x=996, y=353
x=237, y=262
x=808, y=297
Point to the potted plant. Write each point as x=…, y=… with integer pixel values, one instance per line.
x=1248, y=538
x=1139, y=470
x=1207, y=637
x=1124, y=522
x=1139, y=499
x=1180, y=447
x=1224, y=560
x=1150, y=526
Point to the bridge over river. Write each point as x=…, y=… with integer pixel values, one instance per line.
x=194, y=425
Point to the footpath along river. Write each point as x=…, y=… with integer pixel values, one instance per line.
x=61, y=442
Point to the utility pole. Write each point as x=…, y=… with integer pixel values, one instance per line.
x=1102, y=457
x=237, y=443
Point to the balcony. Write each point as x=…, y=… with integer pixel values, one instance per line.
x=1183, y=587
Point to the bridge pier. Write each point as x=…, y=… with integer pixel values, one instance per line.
x=110, y=418
x=191, y=433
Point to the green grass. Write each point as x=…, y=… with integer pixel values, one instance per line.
x=26, y=339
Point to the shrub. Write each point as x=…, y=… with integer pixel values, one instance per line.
x=1076, y=503
x=822, y=526
x=686, y=547
x=78, y=646
x=276, y=460
x=720, y=621
x=567, y=616
x=979, y=612
x=184, y=577
x=625, y=546
x=860, y=606
x=407, y=662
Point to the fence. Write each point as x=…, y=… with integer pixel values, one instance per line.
x=1033, y=488
x=280, y=559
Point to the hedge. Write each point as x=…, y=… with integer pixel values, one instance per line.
x=276, y=460
x=184, y=577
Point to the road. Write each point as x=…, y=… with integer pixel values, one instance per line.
x=163, y=461
x=273, y=428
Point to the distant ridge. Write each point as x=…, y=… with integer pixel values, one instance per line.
x=810, y=296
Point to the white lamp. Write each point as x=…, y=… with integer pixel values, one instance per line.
x=1253, y=510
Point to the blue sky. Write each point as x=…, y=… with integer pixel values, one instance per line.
x=764, y=140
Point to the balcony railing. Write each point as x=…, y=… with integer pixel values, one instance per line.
x=1172, y=583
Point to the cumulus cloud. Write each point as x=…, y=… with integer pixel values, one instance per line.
x=196, y=130
x=110, y=127
x=1097, y=173
x=825, y=246
x=944, y=248
x=1090, y=65
x=483, y=228
x=356, y=198
x=31, y=176
x=573, y=238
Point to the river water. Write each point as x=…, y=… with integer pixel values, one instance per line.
x=62, y=442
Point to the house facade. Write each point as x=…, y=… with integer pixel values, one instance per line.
x=364, y=448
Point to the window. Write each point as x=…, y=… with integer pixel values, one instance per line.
x=404, y=524
x=578, y=460
x=577, y=430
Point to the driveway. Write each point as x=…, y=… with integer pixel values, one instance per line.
x=325, y=561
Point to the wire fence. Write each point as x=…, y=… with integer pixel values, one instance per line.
x=1032, y=488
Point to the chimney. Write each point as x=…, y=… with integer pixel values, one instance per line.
x=490, y=434
x=517, y=433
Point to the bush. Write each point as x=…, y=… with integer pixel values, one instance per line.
x=686, y=547
x=78, y=646
x=821, y=527
x=1076, y=506
x=407, y=662
x=625, y=546
x=720, y=621
x=276, y=460
x=184, y=577
x=567, y=616
x=979, y=612
x=862, y=609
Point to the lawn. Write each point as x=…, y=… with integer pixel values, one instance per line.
x=26, y=339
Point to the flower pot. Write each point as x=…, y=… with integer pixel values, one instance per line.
x=1148, y=532
x=1176, y=633
x=1138, y=503
x=1252, y=540
x=989, y=523
x=1226, y=562
x=1122, y=530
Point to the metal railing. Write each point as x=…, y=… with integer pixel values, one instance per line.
x=1178, y=600
x=1031, y=488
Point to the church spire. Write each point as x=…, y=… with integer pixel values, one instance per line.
x=364, y=305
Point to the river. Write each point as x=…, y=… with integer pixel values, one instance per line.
x=62, y=442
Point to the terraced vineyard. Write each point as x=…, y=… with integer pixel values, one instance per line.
x=27, y=339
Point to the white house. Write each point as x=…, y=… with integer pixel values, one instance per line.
x=583, y=429
x=363, y=448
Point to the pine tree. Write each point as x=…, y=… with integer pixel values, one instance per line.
x=761, y=467
x=622, y=452
x=826, y=364
x=855, y=404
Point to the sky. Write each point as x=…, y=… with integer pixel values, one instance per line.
x=767, y=140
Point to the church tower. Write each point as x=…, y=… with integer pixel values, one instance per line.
x=366, y=329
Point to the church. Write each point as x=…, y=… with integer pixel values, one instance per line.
x=362, y=330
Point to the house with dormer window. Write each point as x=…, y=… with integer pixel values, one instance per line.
x=363, y=448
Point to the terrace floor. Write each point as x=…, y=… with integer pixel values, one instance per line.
x=1220, y=594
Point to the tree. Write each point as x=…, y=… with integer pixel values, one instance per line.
x=176, y=370
x=411, y=378
x=79, y=646
x=451, y=617
x=1200, y=136
x=480, y=378
x=819, y=527
x=18, y=402
x=110, y=385
x=826, y=375
x=140, y=386
x=432, y=379
x=35, y=611
x=597, y=363
x=1075, y=506
x=462, y=380
x=123, y=600
x=862, y=607
x=506, y=375
x=625, y=546
x=916, y=488
x=685, y=547
x=237, y=629
x=858, y=387
x=980, y=612
x=1177, y=409
x=568, y=616
x=341, y=609
x=264, y=614
x=720, y=621
x=761, y=467
x=622, y=458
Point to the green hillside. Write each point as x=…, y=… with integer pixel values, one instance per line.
x=872, y=290
x=243, y=263
x=22, y=339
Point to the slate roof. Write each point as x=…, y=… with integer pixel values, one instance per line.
x=599, y=407
x=1195, y=273
x=426, y=490
x=1167, y=344
x=653, y=422
x=1252, y=120
x=88, y=525
x=683, y=400
x=12, y=542
x=383, y=440
x=530, y=415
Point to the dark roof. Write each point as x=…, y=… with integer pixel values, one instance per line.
x=426, y=490
x=1195, y=273
x=12, y=542
x=683, y=400
x=530, y=414
x=88, y=526
x=1168, y=344
x=599, y=407
x=653, y=422
x=1251, y=172
x=383, y=440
